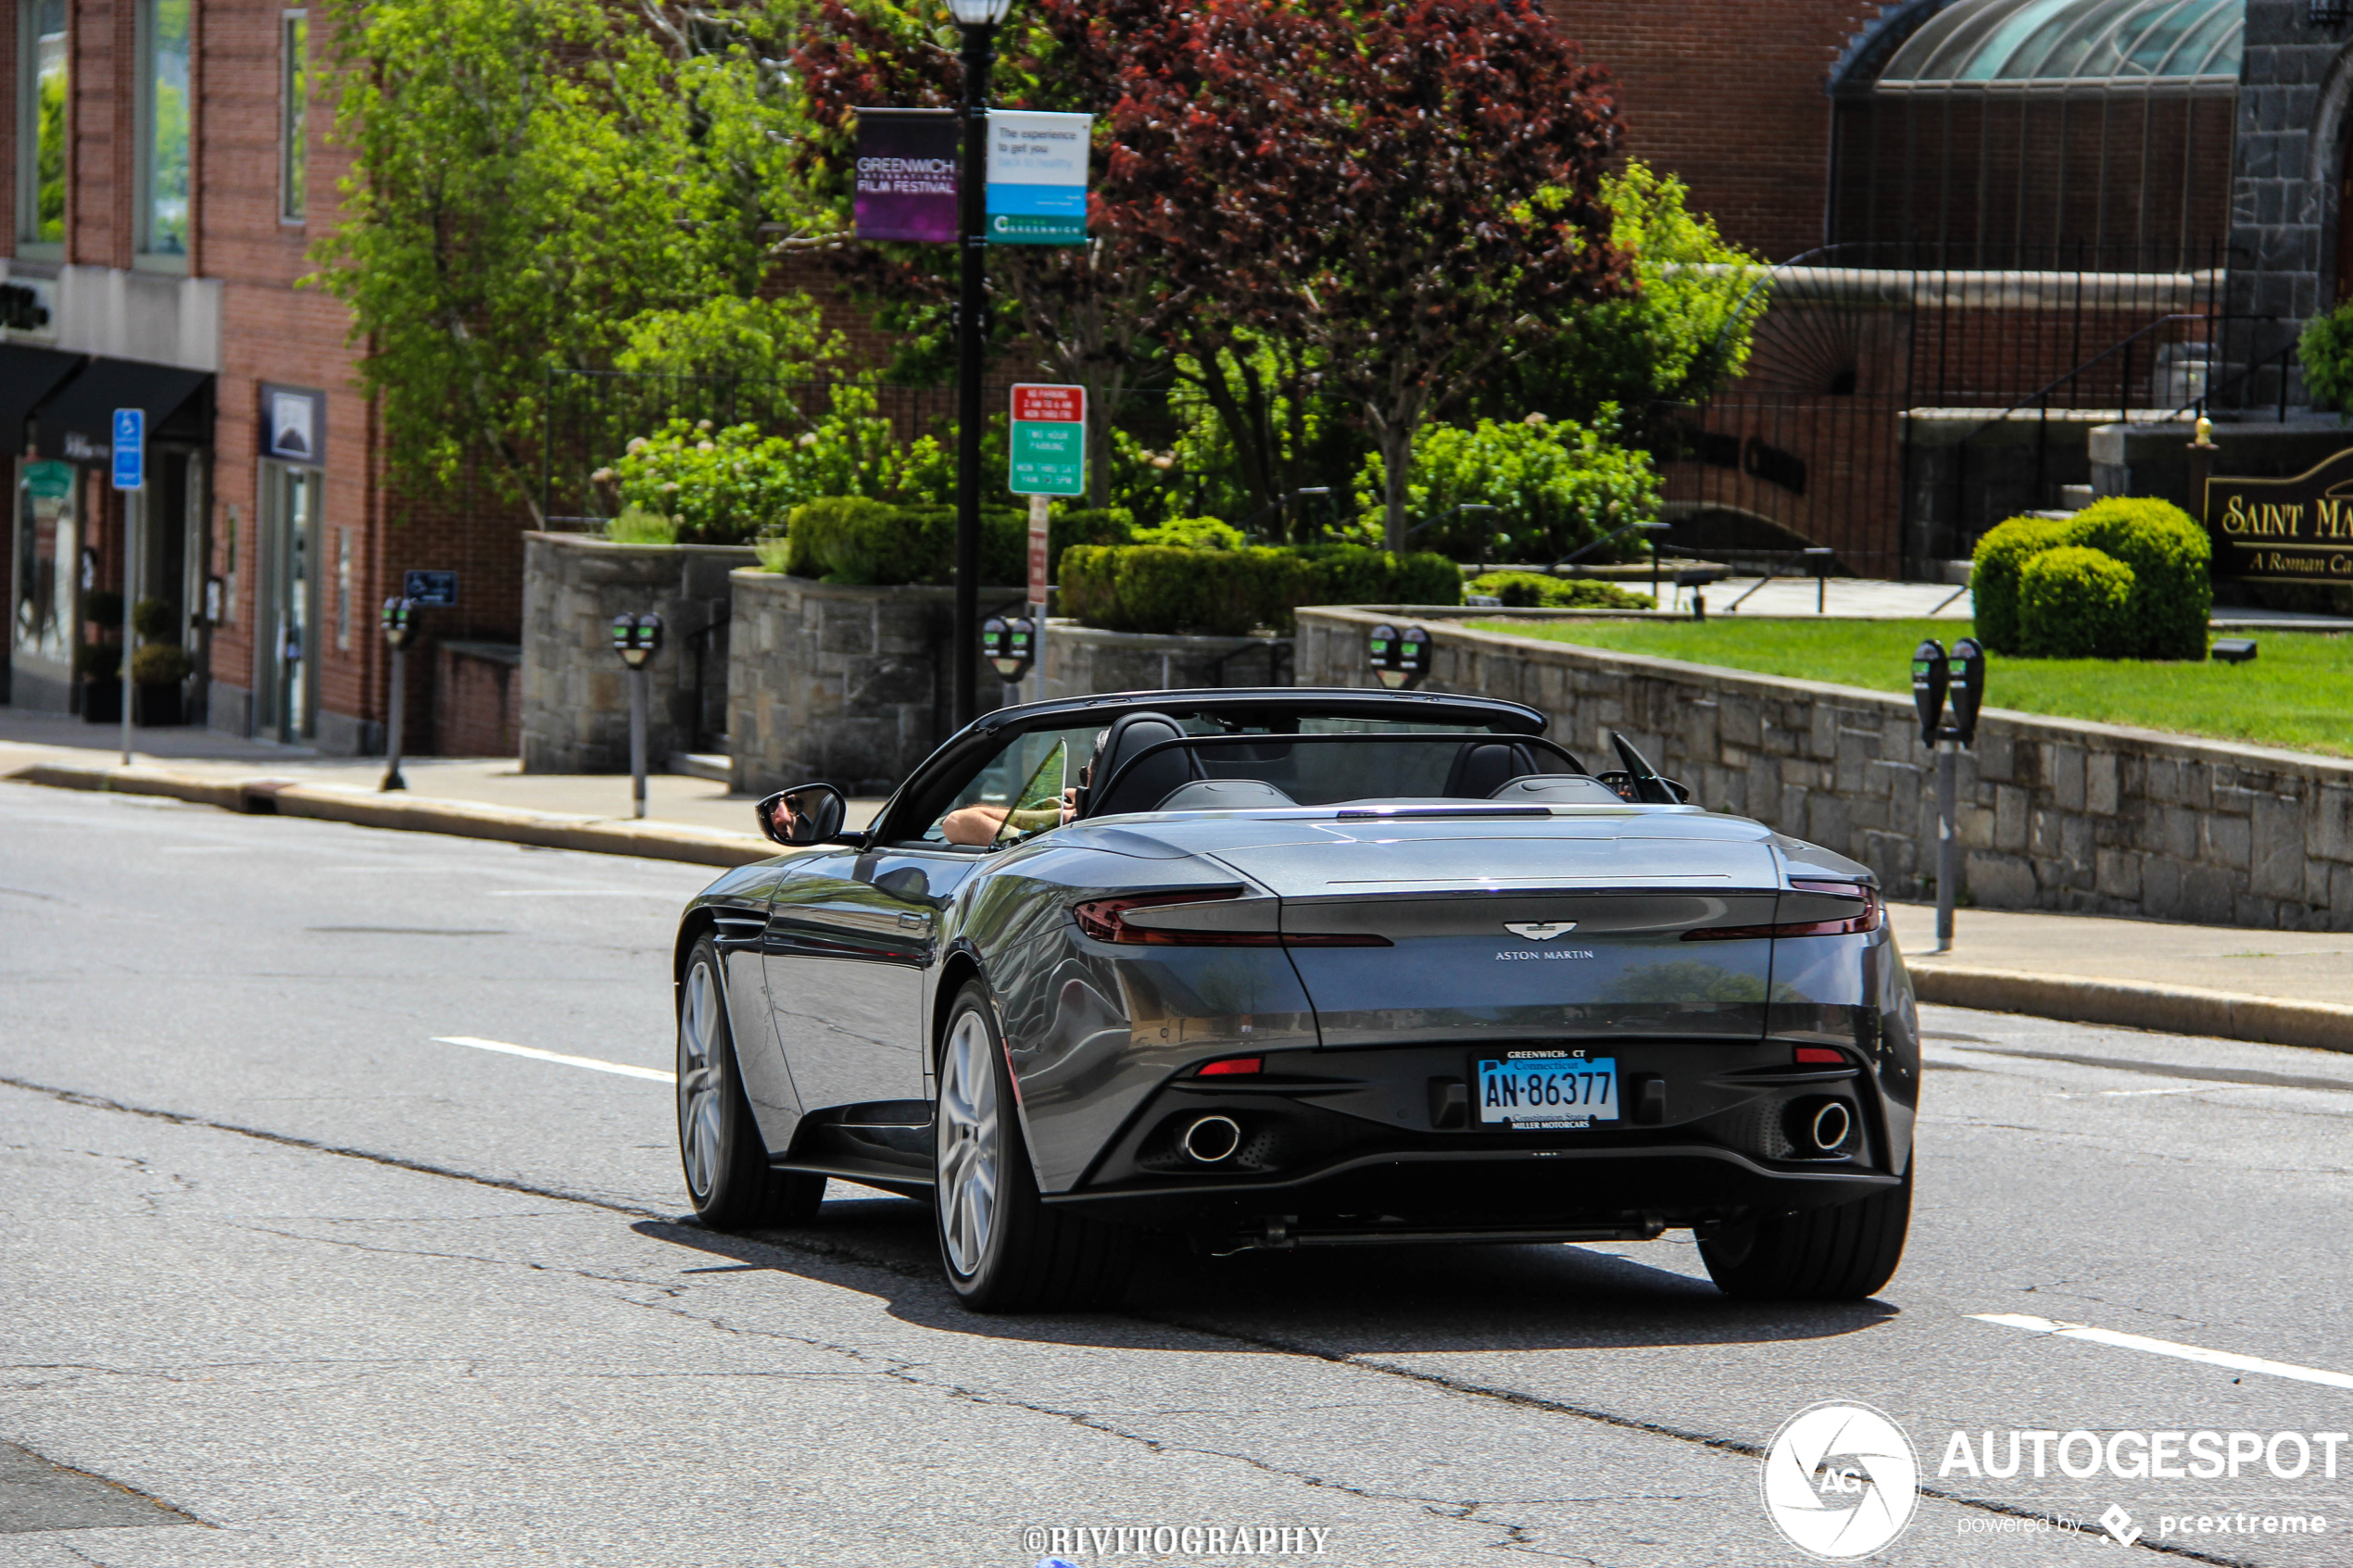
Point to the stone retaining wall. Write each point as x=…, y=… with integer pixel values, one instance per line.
x=846, y=685
x=2055, y=814
x=575, y=700
x=1081, y=660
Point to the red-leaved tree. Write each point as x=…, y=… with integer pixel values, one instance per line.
x=1403, y=189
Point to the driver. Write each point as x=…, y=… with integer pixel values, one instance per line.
x=990, y=824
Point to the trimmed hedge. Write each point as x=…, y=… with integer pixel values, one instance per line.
x=2001, y=556
x=1533, y=590
x=857, y=540
x=2172, y=577
x=2166, y=553
x=2076, y=602
x=1159, y=589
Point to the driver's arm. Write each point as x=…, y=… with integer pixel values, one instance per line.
x=973, y=824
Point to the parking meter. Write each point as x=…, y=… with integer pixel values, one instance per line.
x=1967, y=683
x=636, y=637
x=1400, y=659
x=1010, y=645
x=399, y=623
x=1930, y=676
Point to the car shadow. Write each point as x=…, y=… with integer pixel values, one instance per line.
x=1321, y=1301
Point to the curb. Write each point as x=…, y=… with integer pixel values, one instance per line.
x=2174, y=1009
x=274, y=796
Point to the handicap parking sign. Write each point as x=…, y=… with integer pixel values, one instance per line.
x=130, y=449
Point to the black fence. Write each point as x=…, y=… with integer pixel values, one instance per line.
x=1896, y=407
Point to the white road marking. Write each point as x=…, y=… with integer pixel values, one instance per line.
x=592, y=1063
x=2167, y=1347
x=580, y=893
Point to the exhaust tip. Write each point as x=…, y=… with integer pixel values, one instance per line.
x=1820, y=1127
x=1212, y=1138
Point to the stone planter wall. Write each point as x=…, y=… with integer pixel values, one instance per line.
x=1081, y=662
x=846, y=685
x=576, y=700
x=2055, y=814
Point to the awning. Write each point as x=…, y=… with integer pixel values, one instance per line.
x=28, y=375
x=78, y=424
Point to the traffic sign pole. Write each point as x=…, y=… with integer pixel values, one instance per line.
x=1040, y=527
x=129, y=455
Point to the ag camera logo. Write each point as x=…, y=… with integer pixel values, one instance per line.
x=1840, y=1481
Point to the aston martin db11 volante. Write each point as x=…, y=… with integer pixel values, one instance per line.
x=1289, y=968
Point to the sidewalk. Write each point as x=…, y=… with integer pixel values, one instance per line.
x=2281, y=988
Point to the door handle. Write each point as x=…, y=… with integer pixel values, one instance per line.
x=909, y=917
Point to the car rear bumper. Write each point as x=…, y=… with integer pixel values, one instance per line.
x=1373, y=1145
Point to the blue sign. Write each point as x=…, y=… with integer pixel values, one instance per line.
x=430, y=590
x=130, y=449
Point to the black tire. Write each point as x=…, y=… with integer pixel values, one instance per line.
x=725, y=1164
x=1014, y=1253
x=1845, y=1252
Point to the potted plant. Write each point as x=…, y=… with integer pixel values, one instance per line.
x=99, y=667
x=156, y=672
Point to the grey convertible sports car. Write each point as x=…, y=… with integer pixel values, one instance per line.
x=1286, y=968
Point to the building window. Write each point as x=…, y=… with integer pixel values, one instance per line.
x=294, y=114
x=41, y=127
x=163, y=129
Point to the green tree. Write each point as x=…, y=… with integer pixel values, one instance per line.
x=1683, y=331
x=1554, y=484
x=531, y=178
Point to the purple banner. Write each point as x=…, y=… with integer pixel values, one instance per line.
x=907, y=174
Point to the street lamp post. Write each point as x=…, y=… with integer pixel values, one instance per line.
x=978, y=19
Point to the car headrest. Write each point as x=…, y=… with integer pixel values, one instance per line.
x=1482, y=766
x=1556, y=789
x=1224, y=795
x=1142, y=787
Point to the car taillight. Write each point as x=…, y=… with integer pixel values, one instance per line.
x=1872, y=915
x=1233, y=1067
x=1104, y=920
x=1819, y=1056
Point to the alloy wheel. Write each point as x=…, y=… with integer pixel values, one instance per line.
x=699, y=1082
x=967, y=1143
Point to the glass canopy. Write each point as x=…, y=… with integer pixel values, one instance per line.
x=2072, y=46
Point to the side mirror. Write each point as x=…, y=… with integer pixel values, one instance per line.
x=798, y=818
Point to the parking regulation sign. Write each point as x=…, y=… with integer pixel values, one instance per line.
x=130, y=449
x=1049, y=441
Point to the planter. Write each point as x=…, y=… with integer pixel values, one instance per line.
x=102, y=702
x=1082, y=660
x=847, y=684
x=157, y=707
x=574, y=711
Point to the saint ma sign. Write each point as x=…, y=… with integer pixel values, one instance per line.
x=2296, y=530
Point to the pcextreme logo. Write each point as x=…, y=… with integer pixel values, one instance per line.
x=1840, y=1481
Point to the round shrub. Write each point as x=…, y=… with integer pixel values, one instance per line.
x=2075, y=603
x=1533, y=590
x=2172, y=578
x=2001, y=556
x=160, y=664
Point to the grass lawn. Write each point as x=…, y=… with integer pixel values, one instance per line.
x=2297, y=693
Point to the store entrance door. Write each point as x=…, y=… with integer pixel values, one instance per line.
x=287, y=674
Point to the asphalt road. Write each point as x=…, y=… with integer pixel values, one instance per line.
x=331, y=1291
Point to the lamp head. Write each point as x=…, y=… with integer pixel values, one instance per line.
x=978, y=13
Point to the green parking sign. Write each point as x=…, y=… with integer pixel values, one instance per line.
x=1048, y=446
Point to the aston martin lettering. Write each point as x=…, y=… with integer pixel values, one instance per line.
x=1509, y=954
x=1540, y=930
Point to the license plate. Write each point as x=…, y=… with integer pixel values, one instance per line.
x=1542, y=1089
